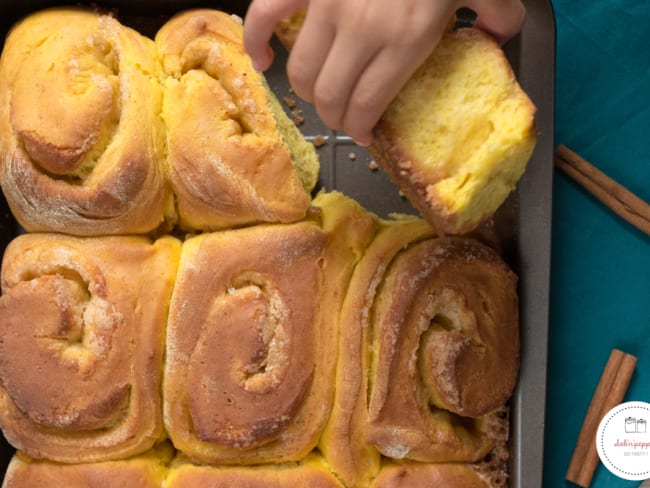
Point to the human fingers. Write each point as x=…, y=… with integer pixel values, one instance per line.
x=501, y=18
x=331, y=84
x=261, y=19
x=338, y=78
x=377, y=86
x=404, y=48
x=310, y=50
x=336, y=47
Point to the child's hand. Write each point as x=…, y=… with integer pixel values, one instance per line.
x=352, y=57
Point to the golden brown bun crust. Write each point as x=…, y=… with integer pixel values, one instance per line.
x=310, y=473
x=458, y=136
x=88, y=161
x=351, y=229
x=141, y=472
x=344, y=440
x=228, y=162
x=446, y=344
x=413, y=475
x=254, y=293
x=82, y=326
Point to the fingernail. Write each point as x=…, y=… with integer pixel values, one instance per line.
x=363, y=141
x=263, y=62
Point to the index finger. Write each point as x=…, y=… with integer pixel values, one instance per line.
x=261, y=20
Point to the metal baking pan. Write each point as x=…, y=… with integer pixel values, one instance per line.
x=523, y=222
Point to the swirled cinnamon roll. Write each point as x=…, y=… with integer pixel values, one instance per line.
x=445, y=345
x=80, y=132
x=234, y=156
x=253, y=335
x=243, y=379
x=82, y=324
x=148, y=470
x=311, y=472
x=428, y=354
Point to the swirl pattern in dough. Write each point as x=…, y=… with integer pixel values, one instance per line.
x=344, y=441
x=428, y=354
x=82, y=327
x=445, y=345
x=244, y=377
x=234, y=157
x=88, y=159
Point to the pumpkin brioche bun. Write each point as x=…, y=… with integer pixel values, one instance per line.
x=458, y=136
x=234, y=156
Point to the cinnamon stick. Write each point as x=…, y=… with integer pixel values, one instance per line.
x=612, y=194
x=610, y=392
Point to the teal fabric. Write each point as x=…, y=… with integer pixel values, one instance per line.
x=600, y=275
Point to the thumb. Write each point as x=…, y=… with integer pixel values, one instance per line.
x=260, y=22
